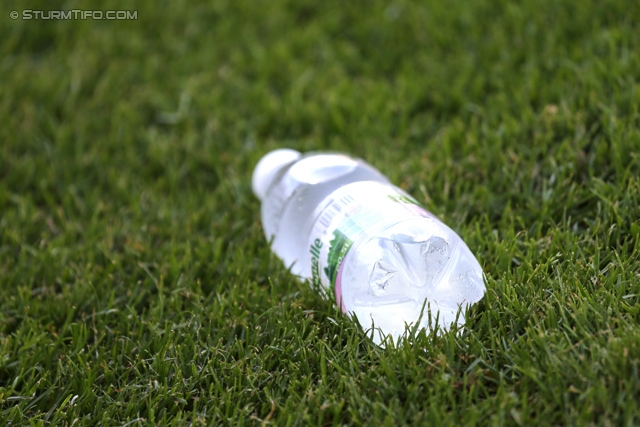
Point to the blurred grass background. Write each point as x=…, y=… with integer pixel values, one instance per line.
x=136, y=286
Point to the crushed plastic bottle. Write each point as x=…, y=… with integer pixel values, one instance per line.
x=338, y=222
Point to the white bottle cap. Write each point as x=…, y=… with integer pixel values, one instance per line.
x=268, y=167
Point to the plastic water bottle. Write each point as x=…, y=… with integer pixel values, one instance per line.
x=338, y=222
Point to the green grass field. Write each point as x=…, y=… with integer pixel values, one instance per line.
x=136, y=286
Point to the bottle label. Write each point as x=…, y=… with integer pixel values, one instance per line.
x=344, y=217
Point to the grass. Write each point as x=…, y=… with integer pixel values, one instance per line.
x=136, y=287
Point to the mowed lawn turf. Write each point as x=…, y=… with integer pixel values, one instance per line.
x=137, y=287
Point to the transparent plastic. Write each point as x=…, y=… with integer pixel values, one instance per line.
x=337, y=221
